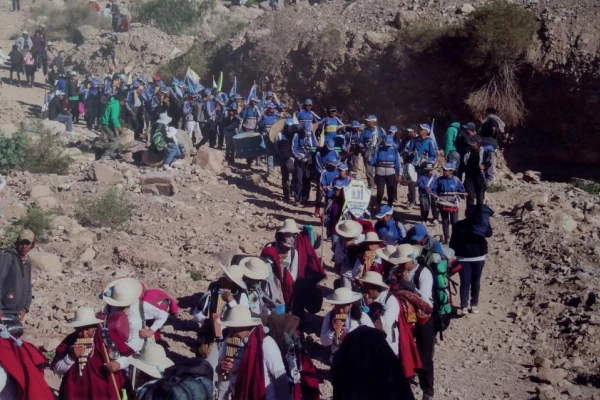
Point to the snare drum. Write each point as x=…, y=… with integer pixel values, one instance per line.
x=409, y=174
x=447, y=206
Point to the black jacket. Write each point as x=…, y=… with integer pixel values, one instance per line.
x=15, y=282
x=72, y=88
x=54, y=108
x=467, y=244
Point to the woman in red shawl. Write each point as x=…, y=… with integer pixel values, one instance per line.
x=89, y=379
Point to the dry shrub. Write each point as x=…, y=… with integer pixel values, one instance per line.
x=62, y=21
x=112, y=209
x=503, y=93
x=36, y=220
x=424, y=39
x=175, y=17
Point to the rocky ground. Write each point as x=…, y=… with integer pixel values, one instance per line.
x=536, y=335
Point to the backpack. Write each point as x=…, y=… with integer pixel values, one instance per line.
x=439, y=266
x=158, y=140
x=188, y=380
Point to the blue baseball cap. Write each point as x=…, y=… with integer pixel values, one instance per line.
x=343, y=167
x=371, y=118
x=175, y=82
x=470, y=126
x=307, y=126
x=270, y=104
x=269, y=93
x=449, y=167
x=254, y=98
x=383, y=211
x=418, y=232
x=237, y=96
x=142, y=78
x=206, y=92
x=282, y=106
x=308, y=102
x=340, y=184
x=332, y=109
x=289, y=122
x=355, y=124
x=136, y=84
x=330, y=144
x=427, y=127
x=389, y=141
x=332, y=159
x=393, y=128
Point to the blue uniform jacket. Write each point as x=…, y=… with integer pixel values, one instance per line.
x=427, y=146
x=320, y=157
x=448, y=185
x=351, y=141
x=386, y=157
x=266, y=122
x=391, y=233
x=301, y=146
x=327, y=179
x=371, y=137
x=306, y=116
x=330, y=126
x=424, y=182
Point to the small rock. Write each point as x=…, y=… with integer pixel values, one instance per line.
x=161, y=180
x=84, y=33
x=467, y=9
x=47, y=203
x=532, y=176
x=88, y=255
x=40, y=191
x=46, y=262
x=552, y=376
x=209, y=159
x=542, y=362
x=152, y=159
x=105, y=174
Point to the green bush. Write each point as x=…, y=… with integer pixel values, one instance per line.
x=493, y=188
x=44, y=155
x=197, y=275
x=424, y=39
x=588, y=186
x=175, y=17
x=499, y=32
x=12, y=151
x=36, y=220
x=112, y=209
x=61, y=22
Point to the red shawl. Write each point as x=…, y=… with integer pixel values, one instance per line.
x=283, y=275
x=308, y=388
x=407, y=348
x=25, y=365
x=250, y=381
x=96, y=382
x=309, y=264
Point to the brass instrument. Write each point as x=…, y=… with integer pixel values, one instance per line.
x=337, y=334
x=368, y=259
x=82, y=361
x=232, y=348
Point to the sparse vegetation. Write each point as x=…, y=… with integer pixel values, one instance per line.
x=197, y=275
x=424, y=39
x=588, y=186
x=60, y=22
x=12, y=151
x=112, y=210
x=36, y=154
x=174, y=17
x=36, y=220
x=495, y=188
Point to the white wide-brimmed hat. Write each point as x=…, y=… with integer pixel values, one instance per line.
x=373, y=278
x=403, y=254
x=348, y=229
x=386, y=251
x=371, y=237
x=122, y=292
x=343, y=295
x=240, y=317
x=254, y=268
x=84, y=316
x=164, y=119
x=289, y=226
x=152, y=360
x=235, y=274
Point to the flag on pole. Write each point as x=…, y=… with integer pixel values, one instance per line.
x=129, y=79
x=432, y=136
x=214, y=83
x=233, y=90
x=220, y=82
x=252, y=92
x=192, y=81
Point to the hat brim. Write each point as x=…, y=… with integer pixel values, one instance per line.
x=355, y=297
x=448, y=168
x=381, y=215
x=382, y=285
x=165, y=121
x=135, y=295
x=429, y=169
x=286, y=230
x=399, y=260
x=372, y=241
x=417, y=237
x=150, y=369
x=232, y=278
x=241, y=324
x=381, y=254
x=350, y=234
x=252, y=274
x=79, y=324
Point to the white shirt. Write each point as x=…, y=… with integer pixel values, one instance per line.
x=425, y=284
x=389, y=319
x=273, y=364
x=290, y=262
x=63, y=366
x=351, y=324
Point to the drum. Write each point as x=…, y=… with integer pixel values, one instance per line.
x=249, y=145
x=409, y=173
x=447, y=206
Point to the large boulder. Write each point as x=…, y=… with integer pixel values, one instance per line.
x=127, y=138
x=46, y=262
x=185, y=141
x=158, y=182
x=14, y=211
x=47, y=203
x=209, y=159
x=152, y=159
x=377, y=40
x=84, y=33
x=54, y=126
x=104, y=173
x=40, y=191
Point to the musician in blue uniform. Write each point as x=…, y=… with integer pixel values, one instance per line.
x=329, y=175
x=331, y=124
x=448, y=188
x=351, y=148
x=304, y=145
x=369, y=141
x=427, y=151
x=322, y=157
x=264, y=126
x=386, y=162
x=306, y=114
x=283, y=148
x=388, y=229
x=250, y=117
x=410, y=147
x=208, y=120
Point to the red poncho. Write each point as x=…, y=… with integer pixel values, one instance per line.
x=96, y=382
x=250, y=381
x=25, y=365
x=407, y=348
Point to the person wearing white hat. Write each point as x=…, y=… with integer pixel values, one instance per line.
x=150, y=365
x=263, y=296
x=345, y=316
x=349, y=233
x=81, y=358
x=124, y=295
x=240, y=363
x=362, y=258
x=377, y=294
x=173, y=149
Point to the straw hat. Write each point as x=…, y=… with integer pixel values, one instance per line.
x=152, y=360
x=84, y=316
x=254, y=268
x=373, y=278
x=343, y=295
x=240, y=317
x=348, y=229
x=386, y=251
x=289, y=226
x=235, y=274
x=371, y=237
x=122, y=292
x=403, y=254
x=164, y=119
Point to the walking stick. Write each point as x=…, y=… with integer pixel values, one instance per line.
x=322, y=239
x=112, y=375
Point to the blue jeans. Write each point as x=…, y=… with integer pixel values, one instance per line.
x=173, y=151
x=470, y=281
x=67, y=120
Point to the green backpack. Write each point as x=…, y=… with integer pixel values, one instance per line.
x=438, y=265
x=158, y=139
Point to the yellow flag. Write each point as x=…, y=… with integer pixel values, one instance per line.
x=192, y=76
